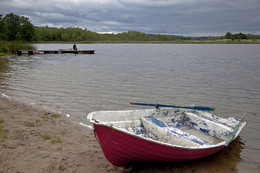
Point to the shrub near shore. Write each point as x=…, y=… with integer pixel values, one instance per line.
x=6, y=48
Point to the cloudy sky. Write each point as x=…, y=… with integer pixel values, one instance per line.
x=181, y=17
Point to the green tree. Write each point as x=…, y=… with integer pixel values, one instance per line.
x=26, y=29
x=3, y=29
x=13, y=27
x=242, y=36
x=64, y=37
x=228, y=35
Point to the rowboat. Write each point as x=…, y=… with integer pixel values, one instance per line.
x=161, y=135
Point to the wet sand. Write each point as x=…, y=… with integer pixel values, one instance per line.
x=34, y=140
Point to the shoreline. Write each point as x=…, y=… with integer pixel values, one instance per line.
x=222, y=41
x=36, y=140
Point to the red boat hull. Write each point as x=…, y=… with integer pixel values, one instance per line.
x=121, y=149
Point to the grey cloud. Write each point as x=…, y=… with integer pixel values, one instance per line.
x=189, y=17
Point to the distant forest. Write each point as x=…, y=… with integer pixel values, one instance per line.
x=18, y=28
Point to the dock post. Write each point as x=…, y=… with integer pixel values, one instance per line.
x=19, y=52
x=30, y=52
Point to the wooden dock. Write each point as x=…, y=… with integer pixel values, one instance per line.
x=60, y=51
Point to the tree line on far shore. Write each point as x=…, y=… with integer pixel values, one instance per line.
x=18, y=28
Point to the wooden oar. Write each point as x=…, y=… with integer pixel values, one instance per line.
x=173, y=106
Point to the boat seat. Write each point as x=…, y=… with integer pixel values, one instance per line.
x=161, y=131
x=207, y=126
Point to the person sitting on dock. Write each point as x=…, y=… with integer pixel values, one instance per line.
x=75, y=47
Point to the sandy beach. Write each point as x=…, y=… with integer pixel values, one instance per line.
x=34, y=140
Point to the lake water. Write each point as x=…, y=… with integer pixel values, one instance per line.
x=226, y=77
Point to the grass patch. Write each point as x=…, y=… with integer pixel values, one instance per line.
x=45, y=117
x=50, y=118
x=12, y=116
x=29, y=123
x=3, y=136
x=26, y=109
x=56, y=140
x=59, y=148
x=21, y=46
x=46, y=136
x=55, y=115
x=18, y=134
x=1, y=131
